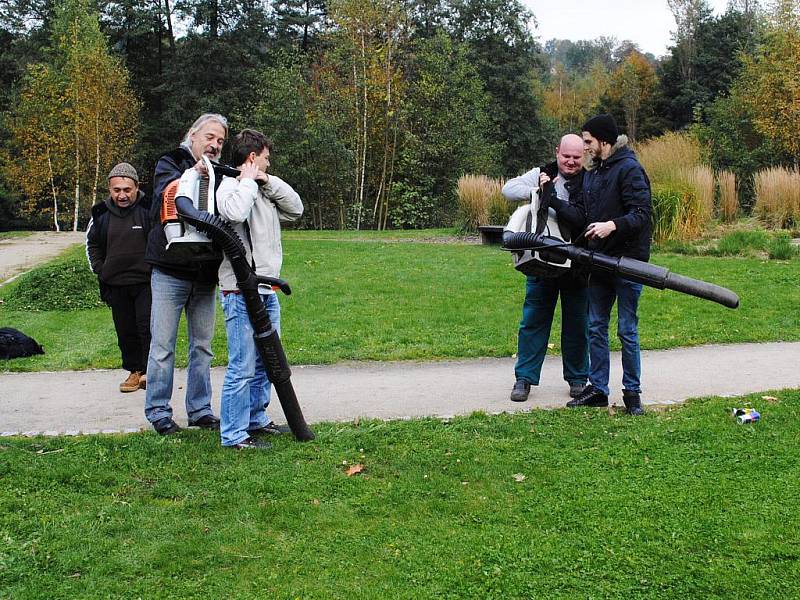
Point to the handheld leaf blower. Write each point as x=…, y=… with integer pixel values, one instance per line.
x=552, y=248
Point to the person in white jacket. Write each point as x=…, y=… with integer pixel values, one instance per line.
x=255, y=203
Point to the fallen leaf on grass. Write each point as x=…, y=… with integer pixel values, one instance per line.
x=354, y=470
x=769, y=398
x=315, y=502
x=551, y=346
x=518, y=477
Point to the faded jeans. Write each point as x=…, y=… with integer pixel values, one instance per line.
x=603, y=292
x=246, y=389
x=171, y=296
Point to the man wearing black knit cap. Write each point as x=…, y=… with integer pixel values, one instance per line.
x=616, y=194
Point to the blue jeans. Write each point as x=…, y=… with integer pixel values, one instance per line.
x=603, y=292
x=246, y=389
x=541, y=295
x=171, y=296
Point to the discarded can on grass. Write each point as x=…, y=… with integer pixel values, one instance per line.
x=746, y=415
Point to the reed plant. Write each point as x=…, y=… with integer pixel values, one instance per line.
x=480, y=201
x=728, y=199
x=683, y=187
x=777, y=192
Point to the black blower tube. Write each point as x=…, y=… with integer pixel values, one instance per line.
x=267, y=340
x=627, y=268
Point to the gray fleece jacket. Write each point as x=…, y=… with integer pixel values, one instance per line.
x=263, y=207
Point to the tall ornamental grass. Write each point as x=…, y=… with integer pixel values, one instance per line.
x=777, y=192
x=728, y=199
x=683, y=187
x=481, y=202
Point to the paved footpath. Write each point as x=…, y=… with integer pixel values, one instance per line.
x=21, y=254
x=89, y=401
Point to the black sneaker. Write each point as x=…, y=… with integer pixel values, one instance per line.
x=575, y=389
x=520, y=391
x=251, y=444
x=590, y=396
x=271, y=428
x=166, y=426
x=206, y=422
x=633, y=403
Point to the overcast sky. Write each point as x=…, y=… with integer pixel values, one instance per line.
x=648, y=23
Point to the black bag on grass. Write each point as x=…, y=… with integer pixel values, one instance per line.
x=15, y=344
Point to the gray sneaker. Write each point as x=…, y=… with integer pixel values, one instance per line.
x=575, y=389
x=520, y=391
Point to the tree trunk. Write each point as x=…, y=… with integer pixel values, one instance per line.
x=213, y=19
x=364, y=133
x=170, y=34
x=391, y=178
x=357, y=149
x=53, y=189
x=382, y=191
x=96, y=157
x=77, y=182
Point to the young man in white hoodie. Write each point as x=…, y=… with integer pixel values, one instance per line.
x=255, y=203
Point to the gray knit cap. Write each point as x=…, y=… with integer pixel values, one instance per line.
x=124, y=170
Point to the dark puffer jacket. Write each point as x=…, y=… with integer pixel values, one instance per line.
x=169, y=167
x=617, y=189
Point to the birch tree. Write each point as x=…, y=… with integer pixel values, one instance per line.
x=76, y=117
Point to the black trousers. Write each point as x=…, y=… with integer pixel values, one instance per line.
x=130, y=309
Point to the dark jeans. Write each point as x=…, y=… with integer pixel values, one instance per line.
x=541, y=296
x=604, y=291
x=130, y=309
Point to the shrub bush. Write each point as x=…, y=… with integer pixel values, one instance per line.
x=682, y=186
x=780, y=247
x=728, y=199
x=678, y=212
x=410, y=209
x=480, y=201
x=777, y=197
x=742, y=242
x=62, y=285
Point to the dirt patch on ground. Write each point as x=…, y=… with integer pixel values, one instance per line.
x=21, y=254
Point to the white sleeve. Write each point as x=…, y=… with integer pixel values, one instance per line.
x=235, y=198
x=287, y=201
x=519, y=189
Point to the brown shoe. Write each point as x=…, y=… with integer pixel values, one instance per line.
x=143, y=381
x=131, y=384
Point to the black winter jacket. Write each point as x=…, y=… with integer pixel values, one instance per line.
x=618, y=190
x=169, y=167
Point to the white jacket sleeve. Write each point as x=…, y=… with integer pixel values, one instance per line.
x=286, y=200
x=519, y=189
x=235, y=198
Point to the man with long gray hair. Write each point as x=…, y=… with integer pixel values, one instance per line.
x=179, y=284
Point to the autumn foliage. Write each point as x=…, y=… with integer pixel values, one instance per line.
x=76, y=117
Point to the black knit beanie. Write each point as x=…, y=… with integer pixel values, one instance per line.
x=603, y=128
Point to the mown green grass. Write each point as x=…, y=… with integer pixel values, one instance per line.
x=388, y=300
x=678, y=504
x=5, y=235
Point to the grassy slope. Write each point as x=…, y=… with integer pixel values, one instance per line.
x=680, y=504
x=396, y=301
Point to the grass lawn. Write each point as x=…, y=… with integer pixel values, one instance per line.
x=550, y=504
x=6, y=235
x=404, y=295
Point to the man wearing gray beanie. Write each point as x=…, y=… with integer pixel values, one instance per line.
x=616, y=195
x=116, y=240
